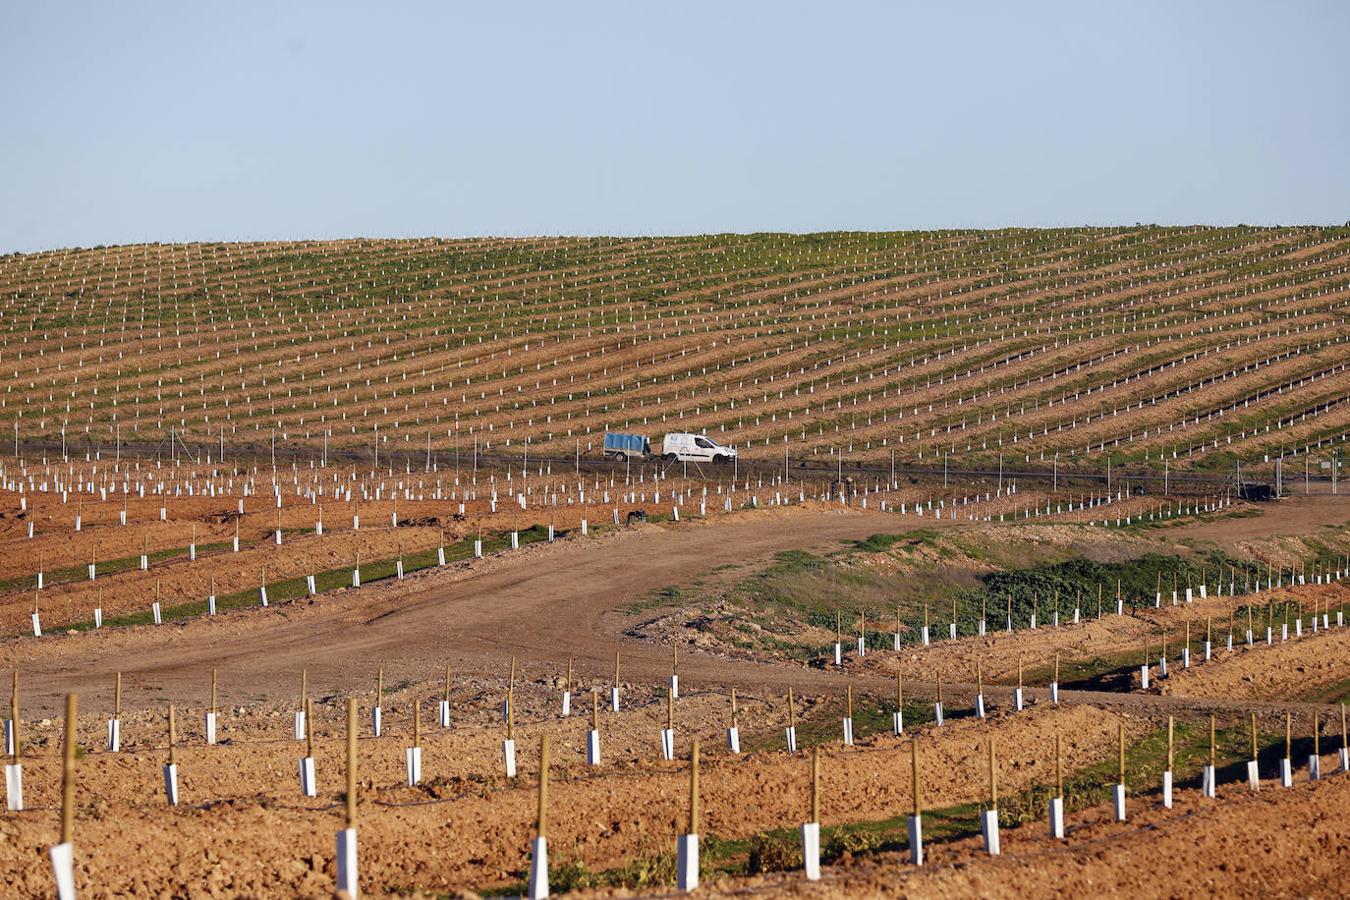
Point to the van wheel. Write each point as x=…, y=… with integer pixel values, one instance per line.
x=669, y=457
x=719, y=460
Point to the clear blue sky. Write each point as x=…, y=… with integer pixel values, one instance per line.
x=123, y=122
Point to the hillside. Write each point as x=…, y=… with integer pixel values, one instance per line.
x=1198, y=345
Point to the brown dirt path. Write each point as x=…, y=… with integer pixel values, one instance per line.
x=1294, y=516
x=542, y=604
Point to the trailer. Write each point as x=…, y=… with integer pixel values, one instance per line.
x=626, y=446
x=675, y=447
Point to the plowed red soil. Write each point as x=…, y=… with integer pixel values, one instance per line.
x=243, y=829
x=467, y=824
x=1275, y=843
x=1292, y=669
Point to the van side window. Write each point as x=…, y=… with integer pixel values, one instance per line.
x=704, y=442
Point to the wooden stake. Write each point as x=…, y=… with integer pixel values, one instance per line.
x=693, y=790
x=616, y=668
x=1288, y=735
x=914, y=769
x=351, y=762
x=1170, y=741
x=1059, y=765
x=173, y=737
x=849, y=690
x=733, y=707
x=117, y=697
x=511, y=703
x=993, y=776
x=541, y=814
x=309, y=728
x=568, y=685
x=595, y=710
x=1253, y=737
x=213, y=693
x=68, y=774
x=1121, y=732
x=815, y=784
x=14, y=716
x=899, y=692
x=792, y=710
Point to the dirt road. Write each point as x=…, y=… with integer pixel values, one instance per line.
x=542, y=603
x=1308, y=514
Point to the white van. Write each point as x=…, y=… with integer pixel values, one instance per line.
x=695, y=448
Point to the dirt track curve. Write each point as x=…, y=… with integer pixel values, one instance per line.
x=542, y=604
